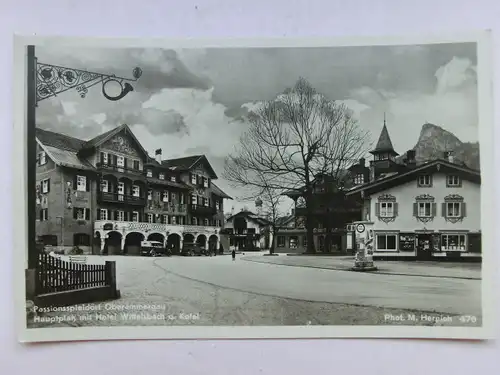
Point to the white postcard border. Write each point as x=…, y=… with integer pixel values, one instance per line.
x=20, y=214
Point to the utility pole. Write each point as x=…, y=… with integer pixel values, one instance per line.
x=31, y=154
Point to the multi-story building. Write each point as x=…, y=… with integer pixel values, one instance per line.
x=106, y=195
x=248, y=231
x=332, y=211
x=419, y=210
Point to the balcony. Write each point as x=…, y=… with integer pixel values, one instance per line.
x=197, y=209
x=121, y=170
x=167, y=207
x=103, y=197
x=130, y=226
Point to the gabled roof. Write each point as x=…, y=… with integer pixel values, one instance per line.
x=58, y=140
x=404, y=176
x=218, y=191
x=188, y=163
x=250, y=215
x=102, y=138
x=62, y=149
x=384, y=143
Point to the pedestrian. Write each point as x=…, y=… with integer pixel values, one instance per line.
x=233, y=254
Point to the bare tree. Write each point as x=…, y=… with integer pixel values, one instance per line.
x=293, y=139
x=271, y=201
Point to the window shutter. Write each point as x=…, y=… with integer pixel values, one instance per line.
x=430, y=180
x=125, y=163
x=459, y=181
x=75, y=212
x=74, y=182
x=377, y=209
x=48, y=185
x=443, y=209
x=209, y=182
x=41, y=214
x=102, y=158
x=395, y=209
x=115, y=158
x=434, y=210
x=415, y=209
x=115, y=215
x=190, y=177
x=108, y=214
x=464, y=212
x=87, y=183
x=87, y=214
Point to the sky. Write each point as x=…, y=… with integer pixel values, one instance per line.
x=192, y=101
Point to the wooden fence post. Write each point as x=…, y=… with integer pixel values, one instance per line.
x=111, y=274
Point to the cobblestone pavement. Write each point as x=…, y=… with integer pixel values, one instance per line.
x=410, y=268
x=173, y=299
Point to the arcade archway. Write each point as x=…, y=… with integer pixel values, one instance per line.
x=113, y=244
x=201, y=241
x=174, y=243
x=133, y=243
x=157, y=237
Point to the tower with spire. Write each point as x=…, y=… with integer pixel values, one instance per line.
x=384, y=155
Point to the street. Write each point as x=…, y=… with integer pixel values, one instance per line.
x=219, y=291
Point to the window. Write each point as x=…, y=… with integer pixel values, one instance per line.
x=104, y=158
x=121, y=188
x=194, y=199
x=386, y=209
x=205, y=202
x=42, y=158
x=453, y=242
x=104, y=186
x=453, y=209
x=173, y=197
x=217, y=205
x=79, y=213
x=136, y=164
x=424, y=209
x=206, y=223
x=281, y=241
x=181, y=220
x=386, y=242
x=165, y=219
x=103, y=214
x=424, y=180
x=149, y=173
x=453, y=181
x=120, y=161
x=135, y=216
x=81, y=183
x=165, y=196
x=136, y=191
x=182, y=198
x=150, y=218
x=205, y=182
x=359, y=179
x=121, y=216
x=150, y=195
x=174, y=220
x=44, y=214
x=45, y=186
x=194, y=221
x=173, y=179
x=193, y=179
x=217, y=223
x=161, y=176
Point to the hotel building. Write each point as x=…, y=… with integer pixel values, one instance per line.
x=106, y=195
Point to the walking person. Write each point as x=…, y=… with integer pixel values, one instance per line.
x=233, y=254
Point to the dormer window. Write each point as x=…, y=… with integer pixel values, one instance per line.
x=161, y=176
x=193, y=179
x=453, y=181
x=149, y=173
x=42, y=158
x=425, y=180
x=359, y=179
x=205, y=182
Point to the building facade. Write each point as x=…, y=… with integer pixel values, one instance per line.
x=107, y=195
x=419, y=211
x=248, y=231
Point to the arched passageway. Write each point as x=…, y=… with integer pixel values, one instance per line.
x=113, y=244
x=201, y=241
x=133, y=243
x=188, y=239
x=174, y=243
x=157, y=237
x=212, y=244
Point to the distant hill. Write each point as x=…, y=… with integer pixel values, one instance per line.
x=434, y=140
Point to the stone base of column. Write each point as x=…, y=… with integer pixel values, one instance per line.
x=364, y=266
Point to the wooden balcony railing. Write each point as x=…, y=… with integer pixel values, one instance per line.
x=104, y=197
x=202, y=210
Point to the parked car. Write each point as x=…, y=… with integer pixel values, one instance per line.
x=153, y=248
x=190, y=249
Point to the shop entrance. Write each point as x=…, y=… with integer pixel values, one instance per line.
x=424, y=246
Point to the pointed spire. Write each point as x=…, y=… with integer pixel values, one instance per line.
x=384, y=143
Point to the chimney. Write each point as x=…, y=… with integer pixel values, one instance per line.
x=362, y=162
x=158, y=155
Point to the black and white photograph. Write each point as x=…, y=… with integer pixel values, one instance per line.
x=253, y=188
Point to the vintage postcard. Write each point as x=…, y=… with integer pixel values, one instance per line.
x=273, y=188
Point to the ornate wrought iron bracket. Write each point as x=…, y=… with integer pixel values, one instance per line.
x=52, y=80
